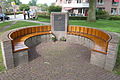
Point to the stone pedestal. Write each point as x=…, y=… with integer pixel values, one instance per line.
x=59, y=22
x=7, y=54
x=20, y=57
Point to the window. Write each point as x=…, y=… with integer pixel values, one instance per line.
x=102, y=8
x=113, y=11
x=78, y=1
x=115, y=2
x=100, y=2
x=68, y=1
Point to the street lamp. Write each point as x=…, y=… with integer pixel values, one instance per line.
x=14, y=6
x=2, y=3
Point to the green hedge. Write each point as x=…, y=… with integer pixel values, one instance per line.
x=114, y=18
x=77, y=17
x=12, y=13
x=44, y=16
x=70, y=17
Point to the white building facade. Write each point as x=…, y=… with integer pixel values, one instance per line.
x=80, y=7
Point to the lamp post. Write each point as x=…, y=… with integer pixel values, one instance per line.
x=14, y=7
x=2, y=3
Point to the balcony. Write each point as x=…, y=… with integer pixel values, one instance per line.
x=76, y=5
x=115, y=3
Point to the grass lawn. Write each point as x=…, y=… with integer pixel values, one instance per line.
x=17, y=25
x=108, y=25
x=22, y=24
x=43, y=19
x=117, y=66
x=5, y=24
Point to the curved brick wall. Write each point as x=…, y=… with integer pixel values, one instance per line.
x=102, y=56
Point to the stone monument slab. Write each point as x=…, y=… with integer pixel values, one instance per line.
x=59, y=22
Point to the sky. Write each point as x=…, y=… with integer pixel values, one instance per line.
x=39, y=1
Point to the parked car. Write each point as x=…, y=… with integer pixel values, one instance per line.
x=4, y=16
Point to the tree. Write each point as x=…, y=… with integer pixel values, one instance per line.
x=17, y=2
x=44, y=7
x=32, y=3
x=25, y=7
x=92, y=11
x=54, y=9
x=3, y=5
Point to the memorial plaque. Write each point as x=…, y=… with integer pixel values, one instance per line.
x=59, y=22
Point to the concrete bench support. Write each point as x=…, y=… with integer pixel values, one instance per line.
x=7, y=54
x=20, y=57
x=112, y=52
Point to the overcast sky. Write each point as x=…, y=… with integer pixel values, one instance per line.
x=39, y=1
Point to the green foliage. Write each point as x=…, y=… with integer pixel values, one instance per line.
x=77, y=17
x=70, y=17
x=44, y=7
x=1, y=61
x=108, y=25
x=5, y=24
x=44, y=16
x=22, y=24
x=12, y=13
x=62, y=39
x=24, y=7
x=54, y=9
x=117, y=65
x=18, y=2
x=102, y=14
x=114, y=18
x=32, y=3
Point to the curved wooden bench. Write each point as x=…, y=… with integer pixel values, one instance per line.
x=100, y=38
x=19, y=36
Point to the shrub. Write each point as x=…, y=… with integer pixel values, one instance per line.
x=100, y=14
x=70, y=17
x=54, y=9
x=114, y=18
x=43, y=13
x=24, y=7
x=12, y=13
x=77, y=17
x=44, y=16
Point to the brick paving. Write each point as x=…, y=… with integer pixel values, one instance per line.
x=58, y=61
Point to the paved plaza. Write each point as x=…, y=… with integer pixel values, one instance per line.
x=58, y=61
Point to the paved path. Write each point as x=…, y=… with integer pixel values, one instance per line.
x=58, y=61
x=4, y=28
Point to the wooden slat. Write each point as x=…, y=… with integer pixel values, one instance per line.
x=93, y=34
x=100, y=38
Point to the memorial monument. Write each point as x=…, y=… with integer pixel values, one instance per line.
x=59, y=23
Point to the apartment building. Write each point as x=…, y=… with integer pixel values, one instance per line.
x=80, y=7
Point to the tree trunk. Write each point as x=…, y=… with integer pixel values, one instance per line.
x=92, y=11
